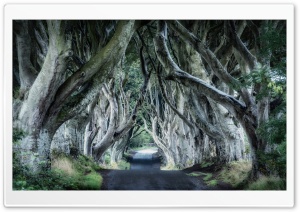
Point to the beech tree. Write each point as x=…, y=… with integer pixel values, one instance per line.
x=248, y=110
x=206, y=88
x=52, y=96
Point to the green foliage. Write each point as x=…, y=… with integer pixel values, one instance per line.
x=274, y=132
x=140, y=141
x=123, y=165
x=207, y=177
x=133, y=77
x=82, y=177
x=271, y=82
x=273, y=41
x=18, y=134
x=91, y=181
x=107, y=158
x=16, y=92
x=212, y=182
x=205, y=164
x=274, y=162
x=268, y=183
x=46, y=180
x=271, y=75
x=86, y=164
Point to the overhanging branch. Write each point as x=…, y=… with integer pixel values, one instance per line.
x=229, y=102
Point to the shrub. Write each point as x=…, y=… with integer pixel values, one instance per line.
x=91, y=181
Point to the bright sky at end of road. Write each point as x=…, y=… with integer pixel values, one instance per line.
x=147, y=151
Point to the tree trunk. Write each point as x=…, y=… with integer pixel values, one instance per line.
x=35, y=151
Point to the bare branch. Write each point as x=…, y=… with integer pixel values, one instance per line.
x=240, y=46
x=190, y=124
x=42, y=43
x=215, y=65
x=228, y=101
x=207, y=54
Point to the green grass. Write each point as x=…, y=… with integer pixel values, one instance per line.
x=207, y=177
x=126, y=155
x=206, y=164
x=235, y=173
x=66, y=174
x=91, y=181
x=268, y=183
x=123, y=165
x=212, y=182
x=86, y=164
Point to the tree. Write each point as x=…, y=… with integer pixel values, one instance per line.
x=54, y=96
x=203, y=87
x=250, y=111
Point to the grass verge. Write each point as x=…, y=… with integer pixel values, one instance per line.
x=207, y=177
x=268, y=183
x=66, y=173
x=235, y=173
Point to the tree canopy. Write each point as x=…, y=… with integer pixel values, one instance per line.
x=202, y=89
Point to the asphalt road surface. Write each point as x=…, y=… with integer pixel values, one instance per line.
x=145, y=174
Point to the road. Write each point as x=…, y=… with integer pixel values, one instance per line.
x=145, y=174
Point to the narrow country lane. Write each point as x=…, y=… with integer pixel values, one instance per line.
x=145, y=174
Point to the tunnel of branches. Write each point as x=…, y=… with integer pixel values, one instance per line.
x=197, y=90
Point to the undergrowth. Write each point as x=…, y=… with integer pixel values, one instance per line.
x=235, y=173
x=66, y=173
x=268, y=183
x=121, y=165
